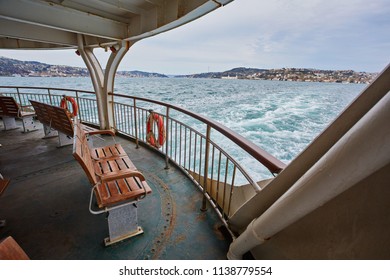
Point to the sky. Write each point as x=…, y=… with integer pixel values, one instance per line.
x=321, y=34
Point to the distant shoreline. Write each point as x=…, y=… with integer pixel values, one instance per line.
x=16, y=68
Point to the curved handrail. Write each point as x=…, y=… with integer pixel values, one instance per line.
x=49, y=88
x=273, y=164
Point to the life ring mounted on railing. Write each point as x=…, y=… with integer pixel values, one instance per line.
x=155, y=120
x=64, y=104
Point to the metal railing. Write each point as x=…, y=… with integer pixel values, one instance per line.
x=189, y=142
x=86, y=100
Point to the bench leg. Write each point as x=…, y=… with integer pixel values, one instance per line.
x=122, y=224
x=29, y=124
x=9, y=123
x=49, y=132
x=64, y=139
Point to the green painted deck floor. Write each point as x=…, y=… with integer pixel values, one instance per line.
x=46, y=206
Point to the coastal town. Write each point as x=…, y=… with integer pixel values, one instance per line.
x=17, y=68
x=312, y=75
x=292, y=74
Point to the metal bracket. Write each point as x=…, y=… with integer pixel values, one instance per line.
x=9, y=123
x=122, y=220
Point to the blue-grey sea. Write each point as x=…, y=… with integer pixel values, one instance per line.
x=279, y=116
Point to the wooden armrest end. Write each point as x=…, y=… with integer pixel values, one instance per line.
x=3, y=185
x=10, y=250
x=121, y=175
x=110, y=132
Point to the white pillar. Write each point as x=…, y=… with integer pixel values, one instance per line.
x=109, y=78
x=103, y=81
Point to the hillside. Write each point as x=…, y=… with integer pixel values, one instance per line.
x=290, y=74
x=13, y=67
x=140, y=74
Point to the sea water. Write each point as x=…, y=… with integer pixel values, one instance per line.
x=281, y=117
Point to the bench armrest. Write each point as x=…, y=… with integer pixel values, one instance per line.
x=110, y=132
x=121, y=175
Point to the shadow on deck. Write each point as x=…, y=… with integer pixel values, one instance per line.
x=46, y=206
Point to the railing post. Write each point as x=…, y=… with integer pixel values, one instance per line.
x=135, y=123
x=206, y=169
x=48, y=92
x=111, y=104
x=166, y=138
x=78, y=105
x=20, y=100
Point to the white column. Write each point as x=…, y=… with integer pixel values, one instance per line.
x=109, y=79
x=103, y=81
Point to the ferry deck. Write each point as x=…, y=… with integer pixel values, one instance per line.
x=46, y=206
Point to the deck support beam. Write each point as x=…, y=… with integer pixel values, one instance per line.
x=103, y=81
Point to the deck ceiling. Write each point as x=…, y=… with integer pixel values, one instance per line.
x=35, y=24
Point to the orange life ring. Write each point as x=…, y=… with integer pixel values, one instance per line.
x=150, y=137
x=64, y=104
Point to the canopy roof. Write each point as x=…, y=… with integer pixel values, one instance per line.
x=37, y=24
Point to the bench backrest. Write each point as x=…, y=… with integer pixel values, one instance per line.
x=8, y=106
x=56, y=117
x=82, y=153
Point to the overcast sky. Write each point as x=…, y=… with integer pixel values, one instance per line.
x=327, y=34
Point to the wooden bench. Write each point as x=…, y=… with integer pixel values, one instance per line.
x=10, y=110
x=56, y=122
x=117, y=185
x=10, y=250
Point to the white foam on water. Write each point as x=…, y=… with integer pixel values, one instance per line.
x=280, y=117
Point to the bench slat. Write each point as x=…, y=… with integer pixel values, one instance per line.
x=118, y=150
x=129, y=163
x=112, y=188
x=105, y=167
x=121, y=164
x=115, y=150
x=133, y=185
x=114, y=166
x=102, y=193
x=105, y=152
x=100, y=153
x=105, y=199
x=123, y=187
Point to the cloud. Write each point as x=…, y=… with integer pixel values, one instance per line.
x=326, y=34
x=277, y=34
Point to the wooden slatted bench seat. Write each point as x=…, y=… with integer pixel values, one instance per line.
x=10, y=110
x=117, y=187
x=56, y=122
x=10, y=250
